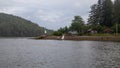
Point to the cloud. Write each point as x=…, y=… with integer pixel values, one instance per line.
x=48, y=16
x=13, y=10
x=51, y=14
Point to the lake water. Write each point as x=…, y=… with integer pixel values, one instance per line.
x=29, y=53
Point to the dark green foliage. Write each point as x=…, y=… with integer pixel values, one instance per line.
x=61, y=31
x=66, y=29
x=98, y=28
x=77, y=24
x=57, y=33
x=94, y=15
x=107, y=13
x=102, y=13
x=117, y=12
x=13, y=26
x=114, y=27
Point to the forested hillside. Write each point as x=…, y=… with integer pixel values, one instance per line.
x=14, y=26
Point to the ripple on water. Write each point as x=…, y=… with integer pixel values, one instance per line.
x=28, y=53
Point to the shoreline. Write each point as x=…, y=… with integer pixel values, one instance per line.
x=90, y=38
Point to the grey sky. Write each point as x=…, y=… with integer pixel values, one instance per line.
x=51, y=14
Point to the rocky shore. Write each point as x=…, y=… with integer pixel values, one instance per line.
x=92, y=38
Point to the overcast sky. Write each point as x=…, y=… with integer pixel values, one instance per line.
x=51, y=14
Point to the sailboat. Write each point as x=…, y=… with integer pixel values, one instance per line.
x=63, y=36
x=45, y=31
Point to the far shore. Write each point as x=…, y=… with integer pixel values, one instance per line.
x=91, y=38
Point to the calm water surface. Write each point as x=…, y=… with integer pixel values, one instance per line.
x=28, y=53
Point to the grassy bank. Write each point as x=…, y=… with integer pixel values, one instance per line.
x=92, y=38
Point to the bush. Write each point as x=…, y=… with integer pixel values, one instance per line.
x=57, y=33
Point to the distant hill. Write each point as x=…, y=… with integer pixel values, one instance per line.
x=14, y=26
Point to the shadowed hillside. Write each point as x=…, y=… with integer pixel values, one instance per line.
x=14, y=26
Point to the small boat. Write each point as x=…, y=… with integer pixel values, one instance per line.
x=45, y=32
x=63, y=37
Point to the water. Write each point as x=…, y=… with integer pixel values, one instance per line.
x=28, y=53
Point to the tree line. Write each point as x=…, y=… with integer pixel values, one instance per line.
x=104, y=16
x=77, y=25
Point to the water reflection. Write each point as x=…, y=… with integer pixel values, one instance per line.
x=107, y=55
x=28, y=53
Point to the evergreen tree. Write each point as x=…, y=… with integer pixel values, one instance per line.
x=117, y=11
x=107, y=9
x=96, y=14
x=102, y=13
x=93, y=17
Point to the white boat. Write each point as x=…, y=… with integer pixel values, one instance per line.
x=45, y=32
x=63, y=37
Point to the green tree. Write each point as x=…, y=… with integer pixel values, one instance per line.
x=96, y=14
x=77, y=24
x=102, y=13
x=93, y=17
x=66, y=29
x=61, y=31
x=117, y=12
x=107, y=12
